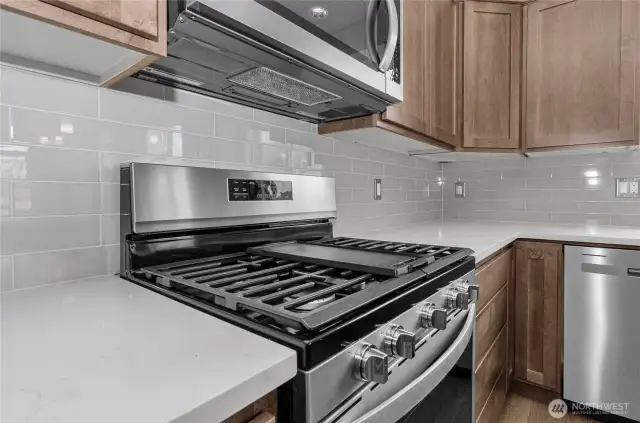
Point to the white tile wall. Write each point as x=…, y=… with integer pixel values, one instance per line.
x=564, y=189
x=62, y=144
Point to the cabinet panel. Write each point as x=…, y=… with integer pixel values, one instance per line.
x=489, y=370
x=492, y=410
x=492, y=276
x=538, y=330
x=138, y=17
x=489, y=323
x=581, y=64
x=443, y=77
x=410, y=112
x=492, y=50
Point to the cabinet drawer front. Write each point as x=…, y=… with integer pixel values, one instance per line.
x=495, y=403
x=492, y=276
x=490, y=368
x=489, y=323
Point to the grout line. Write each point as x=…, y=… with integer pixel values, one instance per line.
x=13, y=273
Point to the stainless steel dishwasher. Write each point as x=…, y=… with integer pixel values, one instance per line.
x=602, y=328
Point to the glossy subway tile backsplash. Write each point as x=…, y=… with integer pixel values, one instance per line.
x=62, y=144
x=561, y=189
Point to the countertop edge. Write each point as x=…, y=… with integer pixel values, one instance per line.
x=237, y=398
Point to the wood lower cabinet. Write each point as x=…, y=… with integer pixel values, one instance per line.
x=492, y=336
x=581, y=73
x=261, y=411
x=538, y=317
x=494, y=406
x=492, y=62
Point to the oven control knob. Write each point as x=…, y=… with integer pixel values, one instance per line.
x=456, y=299
x=472, y=289
x=371, y=364
x=399, y=342
x=433, y=317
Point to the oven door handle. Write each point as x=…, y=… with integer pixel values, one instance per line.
x=392, y=37
x=404, y=400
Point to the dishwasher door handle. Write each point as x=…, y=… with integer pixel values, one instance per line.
x=633, y=272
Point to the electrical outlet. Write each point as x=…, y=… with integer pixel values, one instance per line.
x=628, y=187
x=460, y=191
x=377, y=189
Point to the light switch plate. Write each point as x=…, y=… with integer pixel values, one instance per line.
x=628, y=187
x=460, y=191
x=377, y=189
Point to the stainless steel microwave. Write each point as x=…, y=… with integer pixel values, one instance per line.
x=318, y=60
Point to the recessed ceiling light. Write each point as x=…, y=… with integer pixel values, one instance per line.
x=318, y=12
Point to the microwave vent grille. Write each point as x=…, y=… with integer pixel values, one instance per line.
x=279, y=85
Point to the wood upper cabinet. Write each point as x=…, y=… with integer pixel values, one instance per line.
x=492, y=64
x=138, y=17
x=538, y=317
x=581, y=73
x=410, y=112
x=98, y=41
x=442, y=77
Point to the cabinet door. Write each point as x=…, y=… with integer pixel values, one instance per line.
x=581, y=62
x=138, y=17
x=492, y=69
x=410, y=112
x=538, y=322
x=443, y=77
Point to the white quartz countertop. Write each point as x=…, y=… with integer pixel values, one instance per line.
x=485, y=238
x=107, y=350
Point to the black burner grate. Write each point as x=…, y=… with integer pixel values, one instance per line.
x=294, y=293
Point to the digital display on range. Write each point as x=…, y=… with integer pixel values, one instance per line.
x=256, y=190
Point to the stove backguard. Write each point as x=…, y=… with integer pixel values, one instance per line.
x=170, y=213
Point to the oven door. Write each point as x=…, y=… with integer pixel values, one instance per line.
x=358, y=41
x=443, y=393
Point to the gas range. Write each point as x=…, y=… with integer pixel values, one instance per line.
x=258, y=250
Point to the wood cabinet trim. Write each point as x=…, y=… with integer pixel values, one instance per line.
x=472, y=100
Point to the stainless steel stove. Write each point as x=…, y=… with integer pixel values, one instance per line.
x=383, y=330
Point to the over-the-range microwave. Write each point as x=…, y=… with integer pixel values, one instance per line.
x=317, y=60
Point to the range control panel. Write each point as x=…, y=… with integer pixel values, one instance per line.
x=259, y=190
